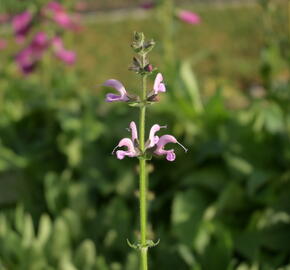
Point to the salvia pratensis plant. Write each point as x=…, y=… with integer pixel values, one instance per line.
x=136, y=146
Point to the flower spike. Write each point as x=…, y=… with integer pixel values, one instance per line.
x=120, y=88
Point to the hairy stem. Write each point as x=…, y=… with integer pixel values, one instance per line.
x=143, y=184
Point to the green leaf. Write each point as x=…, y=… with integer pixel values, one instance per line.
x=85, y=257
x=187, y=211
x=191, y=86
x=44, y=230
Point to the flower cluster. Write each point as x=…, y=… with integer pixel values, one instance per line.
x=22, y=24
x=154, y=144
x=159, y=86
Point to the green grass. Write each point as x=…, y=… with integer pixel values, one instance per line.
x=227, y=43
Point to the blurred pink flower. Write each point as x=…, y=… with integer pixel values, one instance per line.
x=81, y=6
x=4, y=18
x=21, y=24
x=57, y=13
x=148, y=5
x=188, y=17
x=28, y=57
x=3, y=44
x=61, y=53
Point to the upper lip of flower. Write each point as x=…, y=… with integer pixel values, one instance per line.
x=119, y=87
x=153, y=139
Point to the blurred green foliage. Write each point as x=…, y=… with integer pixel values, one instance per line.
x=67, y=203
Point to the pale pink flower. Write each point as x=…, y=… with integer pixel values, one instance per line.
x=153, y=139
x=131, y=144
x=160, y=151
x=120, y=88
x=159, y=86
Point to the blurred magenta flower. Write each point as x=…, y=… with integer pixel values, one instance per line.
x=69, y=57
x=21, y=24
x=57, y=13
x=188, y=17
x=120, y=88
x=3, y=44
x=159, y=86
x=148, y=5
x=28, y=57
x=160, y=151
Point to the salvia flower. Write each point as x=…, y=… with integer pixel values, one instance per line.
x=131, y=144
x=154, y=142
x=188, y=17
x=160, y=151
x=159, y=86
x=120, y=88
x=21, y=24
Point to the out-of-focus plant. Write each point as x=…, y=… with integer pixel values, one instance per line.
x=38, y=23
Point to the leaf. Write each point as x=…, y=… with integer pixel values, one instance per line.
x=187, y=211
x=191, y=86
x=28, y=231
x=85, y=256
x=44, y=230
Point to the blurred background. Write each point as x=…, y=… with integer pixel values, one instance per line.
x=67, y=204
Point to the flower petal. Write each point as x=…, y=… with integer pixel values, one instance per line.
x=158, y=80
x=112, y=97
x=121, y=154
x=162, y=87
x=117, y=85
x=170, y=155
x=152, y=138
x=165, y=139
x=134, y=131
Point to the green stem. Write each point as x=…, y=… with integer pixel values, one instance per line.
x=143, y=184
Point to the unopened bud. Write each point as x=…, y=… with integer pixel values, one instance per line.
x=149, y=68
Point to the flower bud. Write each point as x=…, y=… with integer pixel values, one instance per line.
x=148, y=68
